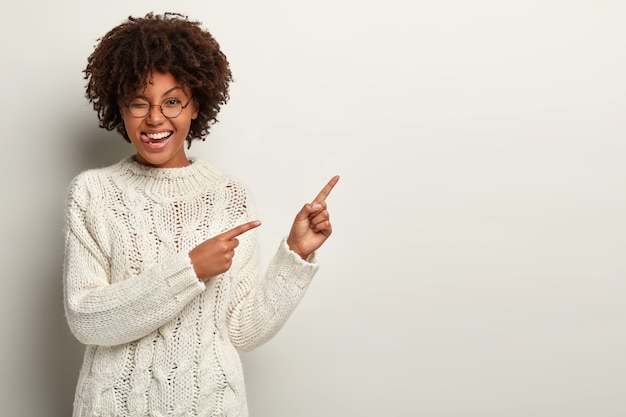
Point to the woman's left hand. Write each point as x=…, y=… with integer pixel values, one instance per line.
x=312, y=227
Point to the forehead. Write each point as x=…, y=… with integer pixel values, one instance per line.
x=158, y=84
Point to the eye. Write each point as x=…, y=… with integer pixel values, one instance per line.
x=138, y=104
x=171, y=102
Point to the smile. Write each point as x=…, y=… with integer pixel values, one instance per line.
x=156, y=140
x=155, y=136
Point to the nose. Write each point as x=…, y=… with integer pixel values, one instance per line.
x=155, y=116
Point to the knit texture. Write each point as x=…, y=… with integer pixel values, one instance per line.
x=159, y=341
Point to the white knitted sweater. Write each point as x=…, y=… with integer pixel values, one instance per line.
x=159, y=341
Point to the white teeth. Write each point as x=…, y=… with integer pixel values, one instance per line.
x=157, y=136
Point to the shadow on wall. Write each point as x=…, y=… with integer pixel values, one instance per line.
x=91, y=147
x=96, y=147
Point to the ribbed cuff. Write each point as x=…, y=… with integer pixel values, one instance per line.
x=181, y=276
x=290, y=265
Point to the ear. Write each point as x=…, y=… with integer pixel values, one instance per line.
x=196, y=110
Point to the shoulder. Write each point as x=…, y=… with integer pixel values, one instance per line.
x=227, y=188
x=225, y=179
x=88, y=182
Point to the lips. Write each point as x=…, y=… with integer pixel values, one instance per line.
x=156, y=140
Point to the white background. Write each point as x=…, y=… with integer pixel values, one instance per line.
x=477, y=266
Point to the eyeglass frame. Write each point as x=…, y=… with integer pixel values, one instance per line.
x=160, y=106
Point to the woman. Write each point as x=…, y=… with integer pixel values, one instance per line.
x=161, y=266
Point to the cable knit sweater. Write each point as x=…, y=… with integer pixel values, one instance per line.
x=160, y=342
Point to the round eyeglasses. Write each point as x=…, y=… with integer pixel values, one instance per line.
x=170, y=107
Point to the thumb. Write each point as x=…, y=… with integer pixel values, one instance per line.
x=307, y=210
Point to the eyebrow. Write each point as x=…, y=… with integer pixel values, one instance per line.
x=164, y=94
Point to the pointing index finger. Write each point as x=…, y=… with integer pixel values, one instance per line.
x=321, y=197
x=243, y=228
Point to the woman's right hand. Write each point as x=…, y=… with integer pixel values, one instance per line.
x=215, y=256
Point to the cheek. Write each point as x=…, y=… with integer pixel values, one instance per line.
x=183, y=125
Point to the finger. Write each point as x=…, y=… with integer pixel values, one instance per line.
x=319, y=217
x=326, y=190
x=304, y=213
x=311, y=210
x=234, y=232
x=324, y=227
x=225, y=247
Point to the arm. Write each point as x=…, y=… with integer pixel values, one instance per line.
x=260, y=309
x=102, y=313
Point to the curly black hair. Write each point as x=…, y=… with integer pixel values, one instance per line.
x=123, y=59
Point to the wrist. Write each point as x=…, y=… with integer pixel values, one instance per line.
x=295, y=249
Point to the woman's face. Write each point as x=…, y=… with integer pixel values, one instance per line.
x=158, y=139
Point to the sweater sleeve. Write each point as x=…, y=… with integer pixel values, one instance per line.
x=103, y=313
x=261, y=307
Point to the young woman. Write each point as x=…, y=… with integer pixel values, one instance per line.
x=161, y=267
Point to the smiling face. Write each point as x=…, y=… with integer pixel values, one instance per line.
x=159, y=140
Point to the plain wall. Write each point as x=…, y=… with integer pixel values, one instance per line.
x=477, y=266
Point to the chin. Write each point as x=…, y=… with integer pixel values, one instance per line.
x=163, y=160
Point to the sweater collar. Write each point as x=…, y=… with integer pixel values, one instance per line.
x=167, y=182
x=142, y=170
